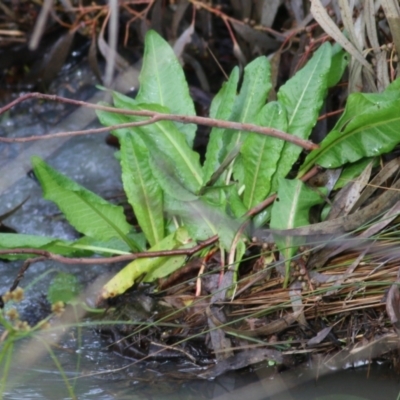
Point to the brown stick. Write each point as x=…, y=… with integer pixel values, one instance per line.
x=103, y=260
x=153, y=117
x=46, y=255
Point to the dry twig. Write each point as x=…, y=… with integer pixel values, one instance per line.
x=153, y=117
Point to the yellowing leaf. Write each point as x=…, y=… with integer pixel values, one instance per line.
x=149, y=267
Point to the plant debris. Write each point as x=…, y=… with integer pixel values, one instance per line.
x=299, y=290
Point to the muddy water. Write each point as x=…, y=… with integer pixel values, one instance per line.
x=92, y=371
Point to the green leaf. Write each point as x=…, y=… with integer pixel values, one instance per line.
x=252, y=97
x=136, y=269
x=87, y=212
x=261, y=155
x=164, y=141
x=235, y=202
x=253, y=92
x=141, y=187
x=360, y=108
x=340, y=60
x=19, y=240
x=111, y=246
x=164, y=170
x=291, y=210
x=357, y=103
x=221, y=108
x=366, y=103
x=215, y=195
x=203, y=220
x=393, y=87
x=366, y=135
x=262, y=217
x=122, y=101
x=167, y=144
x=303, y=97
x=64, y=287
x=163, y=82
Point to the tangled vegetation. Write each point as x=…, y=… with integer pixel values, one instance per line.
x=245, y=245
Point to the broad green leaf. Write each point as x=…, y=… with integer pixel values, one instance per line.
x=291, y=210
x=303, y=97
x=121, y=100
x=235, y=203
x=111, y=246
x=261, y=155
x=163, y=82
x=203, y=220
x=64, y=287
x=262, y=217
x=365, y=103
x=85, y=211
x=136, y=269
x=340, y=60
x=220, y=175
x=253, y=94
x=167, y=176
x=366, y=135
x=165, y=142
x=19, y=240
x=393, y=87
x=221, y=108
x=252, y=97
x=141, y=187
x=215, y=195
x=358, y=105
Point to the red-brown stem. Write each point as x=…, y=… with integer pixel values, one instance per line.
x=153, y=117
x=330, y=114
x=46, y=255
x=103, y=260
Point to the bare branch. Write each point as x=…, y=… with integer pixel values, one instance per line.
x=78, y=133
x=46, y=255
x=153, y=117
x=103, y=260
